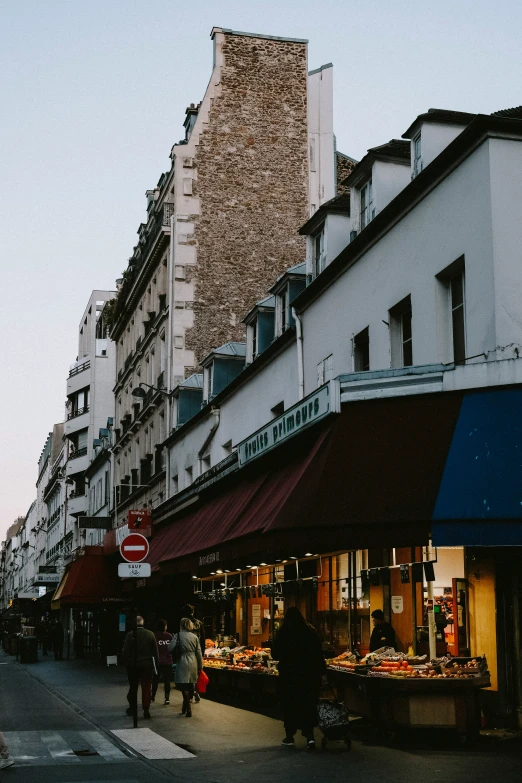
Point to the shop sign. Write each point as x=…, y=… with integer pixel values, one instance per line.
x=303, y=414
x=212, y=557
x=397, y=604
x=46, y=579
x=95, y=523
x=140, y=519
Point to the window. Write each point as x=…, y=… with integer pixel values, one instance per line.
x=325, y=370
x=417, y=152
x=178, y=341
x=361, y=351
x=318, y=253
x=284, y=309
x=253, y=332
x=458, y=318
x=107, y=486
x=209, y=371
x=227, y=448
x=367, y=210
x=401, y=334
x=175, y=484
x=205, y=463
x=188, y=476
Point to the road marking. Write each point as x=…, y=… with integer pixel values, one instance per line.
x=57, y=746
x=102, y=745
x=37, y=748
x=151, y=745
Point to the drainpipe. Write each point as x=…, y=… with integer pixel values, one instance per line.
x=216, y=412
x=300, y=360
x=169, y=346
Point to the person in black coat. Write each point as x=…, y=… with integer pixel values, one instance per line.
x=383, y=634
x=297, y=648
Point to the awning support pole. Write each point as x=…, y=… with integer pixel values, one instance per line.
x=431, y=615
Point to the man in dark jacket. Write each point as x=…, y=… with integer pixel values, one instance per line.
x=383, y=634
x=140, y=656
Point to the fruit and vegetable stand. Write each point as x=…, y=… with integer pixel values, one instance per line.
x=438, y=695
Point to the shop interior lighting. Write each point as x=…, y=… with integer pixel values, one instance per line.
x=308, y=554
x=249, y=566
x=222, y=584
x=293, y=558
x=212, y=573
x=262, y=564
x=227, y=570
x=194, y=577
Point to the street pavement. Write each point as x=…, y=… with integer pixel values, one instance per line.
x=60, y=718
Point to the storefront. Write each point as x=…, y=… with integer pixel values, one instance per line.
x=90, y=604
x=337, y=519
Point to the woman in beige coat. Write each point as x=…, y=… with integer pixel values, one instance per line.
x=188, y=665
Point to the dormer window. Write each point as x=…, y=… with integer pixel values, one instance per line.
x=367, y=209
x=209, y=377
x=318, y=252
x=284, y=309
x=417, y=155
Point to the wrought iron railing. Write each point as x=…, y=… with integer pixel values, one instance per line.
x=78, y=453
x=79, y=412
x=79, y=368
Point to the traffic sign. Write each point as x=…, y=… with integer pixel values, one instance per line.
x=134, y=570
x=134, y=548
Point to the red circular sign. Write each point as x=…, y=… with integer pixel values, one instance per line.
x=134, y=548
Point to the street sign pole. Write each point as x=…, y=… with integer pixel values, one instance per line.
x=135, y=635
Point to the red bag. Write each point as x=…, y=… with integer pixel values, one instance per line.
x=201, y=685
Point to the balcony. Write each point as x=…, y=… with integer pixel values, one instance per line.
x=79, y=368
x=159, y=221
x=78, y=462
x=77, y=504
x=76, y=421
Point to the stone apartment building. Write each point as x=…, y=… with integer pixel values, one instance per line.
x=258, y=157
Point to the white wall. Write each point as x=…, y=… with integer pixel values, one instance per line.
x=506, y=202
x=454, y=219
x=320, y=137
x=388, y=180
x=248, y=409
x=337, y=235
x=435, y=138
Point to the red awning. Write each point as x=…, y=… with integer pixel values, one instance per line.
x=255, y=505
x=90, y=580
x=370, y=478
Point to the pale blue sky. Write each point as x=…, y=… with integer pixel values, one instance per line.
x=92, y=97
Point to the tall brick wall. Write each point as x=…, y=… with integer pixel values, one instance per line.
x=345, y=166
x=252, y=181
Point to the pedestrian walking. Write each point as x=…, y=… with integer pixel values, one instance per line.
x=44, y=635
x=6, y=760
x=186, y=652
x=163, y=639
x=140, y=656
x=188, y=612
x=297, y=648
x=57, y=635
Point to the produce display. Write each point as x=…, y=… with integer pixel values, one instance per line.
x=391, y=664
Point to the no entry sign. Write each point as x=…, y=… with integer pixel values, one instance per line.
x=134, y=548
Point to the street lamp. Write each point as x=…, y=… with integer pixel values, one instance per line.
x=140, y=393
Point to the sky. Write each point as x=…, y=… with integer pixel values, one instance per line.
x=92, y=98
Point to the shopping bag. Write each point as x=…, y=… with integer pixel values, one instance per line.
x=201, y=685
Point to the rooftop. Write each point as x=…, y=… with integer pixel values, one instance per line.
x=228, y=349
x=439, y=116
x=338, y=204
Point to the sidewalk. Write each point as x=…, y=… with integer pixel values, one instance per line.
x=232, y=745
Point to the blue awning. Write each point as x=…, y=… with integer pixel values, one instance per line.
x=482, y=477
x=477, y=533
